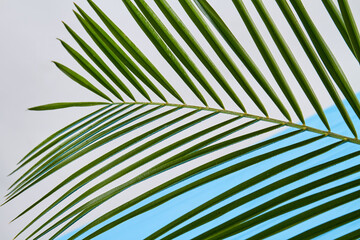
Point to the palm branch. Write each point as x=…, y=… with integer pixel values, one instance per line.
x=206, y=109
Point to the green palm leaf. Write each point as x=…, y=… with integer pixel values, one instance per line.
x=147, y=139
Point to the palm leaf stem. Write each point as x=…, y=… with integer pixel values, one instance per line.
x=260, y=118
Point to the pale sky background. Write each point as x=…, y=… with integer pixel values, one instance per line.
x=28, y=32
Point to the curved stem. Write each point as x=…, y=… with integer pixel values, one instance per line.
x=252, y=116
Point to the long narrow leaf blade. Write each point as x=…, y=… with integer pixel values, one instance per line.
x=338, y=21
x=81, y=80
x=351, y=27
x=79, y=148
x=53, y=106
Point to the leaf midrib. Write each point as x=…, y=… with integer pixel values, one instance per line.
x=253, y=116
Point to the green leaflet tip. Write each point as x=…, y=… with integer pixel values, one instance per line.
x=15, y=169
x=65, y=45
x=78, y=15
x=66, y=26
x=78, y=8
x=14, y=219
x=16, y=236
x=57, y=65
x=8, y=194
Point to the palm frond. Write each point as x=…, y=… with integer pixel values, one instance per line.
x=143, y=139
